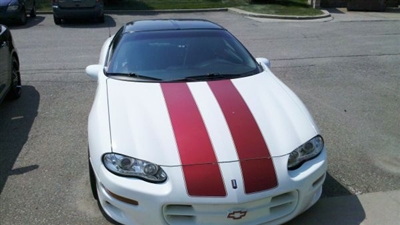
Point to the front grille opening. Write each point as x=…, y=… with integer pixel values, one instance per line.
x=179, y=210
x=283, y=199
x=283, y=204
x=265, y=210
x=179, y=214
x=280, y=208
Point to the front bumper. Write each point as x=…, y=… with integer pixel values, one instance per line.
x=72, y=13
x=168, y=203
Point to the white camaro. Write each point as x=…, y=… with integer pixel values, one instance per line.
x=188, y=128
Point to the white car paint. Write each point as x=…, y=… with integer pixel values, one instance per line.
x=133, y=119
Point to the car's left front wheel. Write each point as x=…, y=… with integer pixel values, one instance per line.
x=93, y=187
x=15, y=88
x=33, y=11
x=93, y=181
x=23, y=19
x=57, y=20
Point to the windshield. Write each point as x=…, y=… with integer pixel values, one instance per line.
x=181, y=55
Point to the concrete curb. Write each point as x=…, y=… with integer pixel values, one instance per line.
x=325, y=14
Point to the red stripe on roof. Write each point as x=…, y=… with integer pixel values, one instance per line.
x=255, y=160
x=201, y=171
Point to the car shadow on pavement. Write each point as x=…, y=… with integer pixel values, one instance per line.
x=88, y=23
x=337, y=206
x=16, y=119
x=333, y=211
x=332, y=188
x=334, y=11
x=32, y=22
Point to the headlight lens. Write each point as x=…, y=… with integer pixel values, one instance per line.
x=12, y=8
x=131, y=167
x=305, y=152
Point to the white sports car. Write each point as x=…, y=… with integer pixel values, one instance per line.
x=188, y=128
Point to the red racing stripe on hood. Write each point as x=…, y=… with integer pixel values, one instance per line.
x=255, y=160
x=200, y=168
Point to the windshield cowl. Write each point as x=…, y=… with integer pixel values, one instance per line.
x=211, y=76
x=204, y=77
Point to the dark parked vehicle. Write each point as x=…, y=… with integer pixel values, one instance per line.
x=74, y=9
x=17, y=10
x=10, y=78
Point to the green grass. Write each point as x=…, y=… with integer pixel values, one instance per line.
x=282, y=7
x=279, y=7
x=43, y=5
x=171, y=4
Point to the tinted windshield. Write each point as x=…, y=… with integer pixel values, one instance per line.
x=179, y=54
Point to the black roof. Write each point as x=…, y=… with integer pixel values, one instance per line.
x=170, y=24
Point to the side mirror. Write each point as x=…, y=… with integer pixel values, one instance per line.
x=93, y=70
x=265, y=61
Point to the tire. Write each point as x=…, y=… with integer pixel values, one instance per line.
x=23, y=19
x=32, y=14
x=15, y=87
x=57, y=21
x=93, y=186
x=93, y=181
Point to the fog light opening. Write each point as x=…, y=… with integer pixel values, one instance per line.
x=319, y=181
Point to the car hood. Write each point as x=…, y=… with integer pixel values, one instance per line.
x=174, y=124
x=5, y=2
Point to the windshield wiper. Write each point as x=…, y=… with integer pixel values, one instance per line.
x=133, y=75
x=209, y=76
x=205, y=76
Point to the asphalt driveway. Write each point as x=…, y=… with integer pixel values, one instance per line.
x=345, y=71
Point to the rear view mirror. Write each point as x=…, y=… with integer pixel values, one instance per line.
x=264, y=61
x=93, y=71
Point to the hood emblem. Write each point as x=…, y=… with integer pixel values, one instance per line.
x=237, y=215
x=234, y=184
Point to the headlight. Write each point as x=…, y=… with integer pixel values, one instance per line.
x=131, y=167
x=12, y=8
x=305, y=152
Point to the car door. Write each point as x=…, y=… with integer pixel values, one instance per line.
x=77, y=3
x=4, y=61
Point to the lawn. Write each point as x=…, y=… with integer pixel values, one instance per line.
x=282, y=7
x=279, y=7
x=171, y=4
